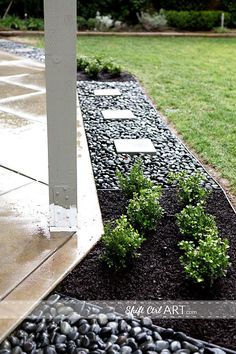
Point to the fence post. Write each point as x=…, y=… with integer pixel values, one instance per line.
x=60, y=58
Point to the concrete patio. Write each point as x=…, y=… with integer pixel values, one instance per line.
x=32, y=261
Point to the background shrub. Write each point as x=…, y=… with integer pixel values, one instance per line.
x=120, y=243
x=144, y=210
x=123, y=10
x=195, y=223
x=35, y=24
x=190, y=190
x=15, y=23
x=81, y=23
x=153, y=21
x=91, y=23
x=135, y=181
x=196, y=20
x=207, y=261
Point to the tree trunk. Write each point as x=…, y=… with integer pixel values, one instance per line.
x=8, y=9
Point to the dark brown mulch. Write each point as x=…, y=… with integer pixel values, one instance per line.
x=157, y=274
x=103, y=76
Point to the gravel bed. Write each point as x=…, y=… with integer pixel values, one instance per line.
x=22, y=49
x=67, y=325
x=171, y=154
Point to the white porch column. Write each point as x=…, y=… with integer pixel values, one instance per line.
x=60, y=51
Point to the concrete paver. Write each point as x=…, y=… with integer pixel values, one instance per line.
x=6, y=70
x=33, y=106
x=24, y=236
x=10, y=180
x=8, y=90
x=25, y=147
x=11, y=121
x=134, y=146
x=107, y=92
x=36, y=286
x=35, y=81
x=9, y=57
x=118, y=114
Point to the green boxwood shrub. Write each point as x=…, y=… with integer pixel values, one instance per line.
x=196, y=20
x=109, y=66
x=81, y=23
x=135, y=181
x=82, y=62
x=144, y=210
x=120, y=243
x=91, y=23
x=93, y=66
x=207, y=261
x=190, y=190
x=195, y=223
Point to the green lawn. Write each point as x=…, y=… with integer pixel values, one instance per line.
x=191, y=80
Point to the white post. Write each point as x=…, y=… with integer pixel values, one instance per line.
x=60, y=57
x=222, y=20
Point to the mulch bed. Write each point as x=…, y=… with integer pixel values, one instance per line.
x=157, y=274
x=105, y=77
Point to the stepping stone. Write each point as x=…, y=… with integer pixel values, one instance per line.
x=107, y=92
x=134, y=146
x=118, y=114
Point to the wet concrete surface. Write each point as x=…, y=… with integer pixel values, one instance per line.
x=25, y=147
x=32, y=106
x=6, y=70
x=9, y=90
x=36, y=81
x=24, y=238
x=25, y=241
x=30, y=257
x=11, y=181
x=9, y=57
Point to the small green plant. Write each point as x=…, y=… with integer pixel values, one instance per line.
x=135, y=181
x=93, y=68
x=121, y=243
x=207, y=261
x=194, y=222
x=111, y=67
x=144, y=210
x=189, y=187
x=82, y=62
